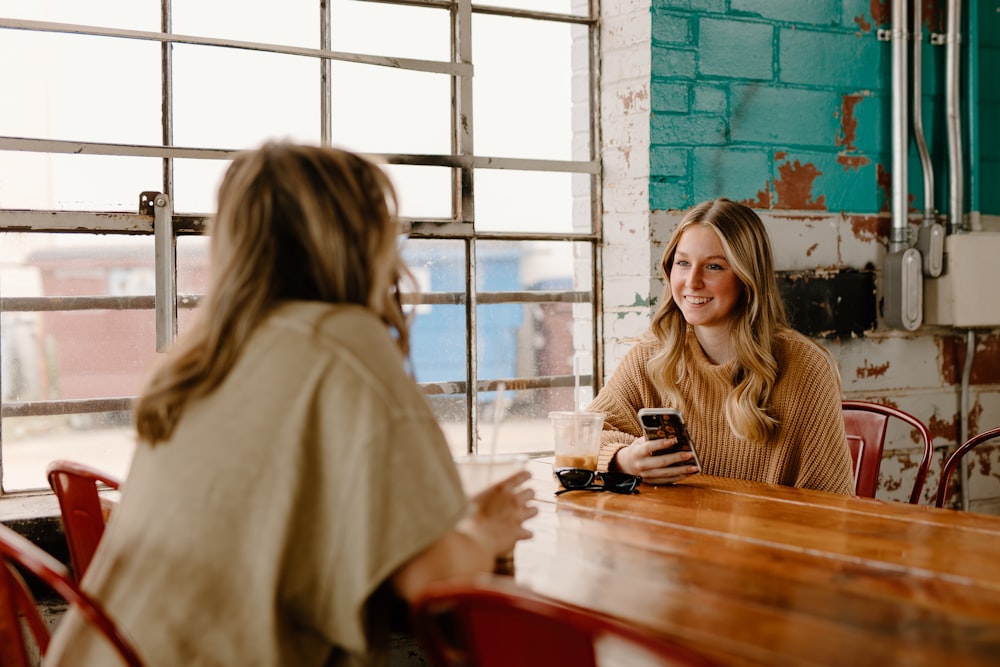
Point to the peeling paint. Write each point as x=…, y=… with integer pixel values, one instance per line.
x=848, y=123
x=811, y=249
x=793, y=189
x=854, y=162
x=884, y=180
x=943, y=430
x=986, y=364
x=863, y=23
x=631, y=98
x=881, y=12
x=763, y=199
x=639, y=301
x=933, y=14
x=867, y=228
x=870, y=371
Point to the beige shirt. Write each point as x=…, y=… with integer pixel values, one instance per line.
x=258, y=534
x=809, y=448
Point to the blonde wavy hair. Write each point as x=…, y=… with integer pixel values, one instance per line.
x=758, y=316
x=294, y=222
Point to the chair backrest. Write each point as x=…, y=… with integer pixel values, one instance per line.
x=16, y=601
x=83, y=513
x=866, y=424
x=492, y=622
x=951, y=464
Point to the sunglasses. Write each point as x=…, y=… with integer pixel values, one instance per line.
x=580, y=479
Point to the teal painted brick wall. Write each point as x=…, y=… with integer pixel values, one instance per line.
x=785, y=104
x=988, y=30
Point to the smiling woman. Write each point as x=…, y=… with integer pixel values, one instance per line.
x=761, y=401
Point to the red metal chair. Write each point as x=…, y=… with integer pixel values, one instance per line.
x=866, y=424
x=951, y=464
x=84, y=512
x=491, y=622
x=17, y=601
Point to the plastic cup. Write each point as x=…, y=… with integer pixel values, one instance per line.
x=481, y=471
x=577, y=438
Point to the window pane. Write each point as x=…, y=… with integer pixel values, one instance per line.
x=126, y=14
x=387, y=110
x=290, y=22
x=422, y=191
x=226, y=98
x=76, y=182
x=533, y=342
x=522, y=98
x=79, y=87
x=576, y=7
x=391, y=30
x=196, y=184
x=530, y=201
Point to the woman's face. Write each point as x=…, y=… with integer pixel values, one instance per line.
x=702, y=283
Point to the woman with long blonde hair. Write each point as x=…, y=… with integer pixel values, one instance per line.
x=290, y=487
x=760, y=400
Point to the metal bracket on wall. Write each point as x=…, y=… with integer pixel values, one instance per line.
x=939, y=38
x=165, y=299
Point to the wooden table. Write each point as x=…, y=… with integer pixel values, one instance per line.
x=757, y=574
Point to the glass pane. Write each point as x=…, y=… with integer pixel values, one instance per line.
x=534, y=342
x=424, y=192
x=531, y=201
x=386, y=110
x=390, y=30
x=522, y=97
x=104, y=440
x=126, y=14
x=575, y=7
x=438, y=333
x=290, y=22
x=196, y=184
x=228, y=98
x=79, y=87
x=76, y=182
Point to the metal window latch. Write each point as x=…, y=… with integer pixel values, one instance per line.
x=159, y=206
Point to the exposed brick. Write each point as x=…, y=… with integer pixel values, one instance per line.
x=664, y=196
x=672, y=63
x=726, y=172
x=709, y=98
x=735, y=49
x=816, y=58
x=670, y=96
x=671, y=28
x=691, y=130
x=816, y=12
x=784, y=116
x=668, y=161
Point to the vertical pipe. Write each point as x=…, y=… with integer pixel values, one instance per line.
x=930, y=239
x=903, y=284
x=325, y=75
x=972, y=116
x=965, y=409
x=952, y=64
x=898, y=239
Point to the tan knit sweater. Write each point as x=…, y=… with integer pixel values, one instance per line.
x=809, y=448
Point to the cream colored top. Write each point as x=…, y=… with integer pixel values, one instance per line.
x=809, y=448
x=263, y=531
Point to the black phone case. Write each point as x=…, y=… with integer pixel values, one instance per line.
x=667, y=424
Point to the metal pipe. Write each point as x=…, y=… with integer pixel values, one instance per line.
x=898, y=239
x=952, y=94
x=965, y=409
x=930, y=239
x=901, y=274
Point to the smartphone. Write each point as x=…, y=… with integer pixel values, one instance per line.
x=659, y=423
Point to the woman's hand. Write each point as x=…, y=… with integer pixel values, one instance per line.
x=639, y=459
x=501, y=510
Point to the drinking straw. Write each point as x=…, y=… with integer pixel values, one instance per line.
x=498, y=413
x=576, y=382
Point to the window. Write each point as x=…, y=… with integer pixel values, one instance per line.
x=114, y=119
